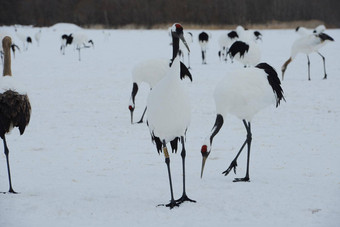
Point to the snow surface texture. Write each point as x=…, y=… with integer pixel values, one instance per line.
x=81, y=162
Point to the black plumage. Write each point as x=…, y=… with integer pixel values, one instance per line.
x=232, y=35
x=273, y=81
x=238, y=47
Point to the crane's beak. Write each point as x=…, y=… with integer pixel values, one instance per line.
x=131, y=113
x=183, y=40
x=203, y=164
x=205, y=155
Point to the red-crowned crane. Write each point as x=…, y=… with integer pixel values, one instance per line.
x=307, y=44
x=78, y=39
x=169, y=113
x=15, y=108
x=243, y=93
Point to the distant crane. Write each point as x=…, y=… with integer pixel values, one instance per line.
x=307, y=44
x=203, y=39
x=224, y=41
x=243, y=93
x=37, y=37
x=79, y=40
x=182, y=49
x=15, y=108
x=169, y=113
x=25, y=39
x=246, y=49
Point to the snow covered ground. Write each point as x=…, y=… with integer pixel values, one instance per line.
x=81, y=162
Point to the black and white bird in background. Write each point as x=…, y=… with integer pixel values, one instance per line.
x=246, y=49
x=307, y=43
x=224, y=41
x=79, y=40
x=15, y=107
x=243, y=93
x=203, y=40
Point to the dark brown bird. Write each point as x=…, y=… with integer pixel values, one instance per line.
x=15, y=108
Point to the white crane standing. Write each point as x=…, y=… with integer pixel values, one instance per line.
x=169, y=113
x=243, y=93
x=307, y=44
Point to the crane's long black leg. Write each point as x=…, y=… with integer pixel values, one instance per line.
x=308, y=62
x=189, y=67
x=8, y=169
x=324, y=65
x=184, y=196
x=233, y=164
x=78, y=48
x=172, y=203
x=141, y=119
x=249, y=139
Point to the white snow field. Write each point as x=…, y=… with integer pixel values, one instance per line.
x=81, y=163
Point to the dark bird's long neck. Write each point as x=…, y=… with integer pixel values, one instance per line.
x=7, y=62
x=175, y=48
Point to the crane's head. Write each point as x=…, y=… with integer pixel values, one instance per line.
x=132, y=100
x=6, y=42
x=205, y=151
x=177, y=32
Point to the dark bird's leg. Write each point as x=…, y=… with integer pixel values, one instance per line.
x=324, y=65
x=233, y=164
x=308, y=62
x=141, y=119
x=172, y=203
x=184, y=196
x=8, y=169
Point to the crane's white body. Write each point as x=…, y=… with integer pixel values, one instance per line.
x=243, y=93
x=150, y=71
x=80, y=39
x=168, y=106
x=307, y=44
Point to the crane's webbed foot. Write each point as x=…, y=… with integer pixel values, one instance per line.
x=171, y=205
x=233, y=165
x=184, y=198
x=11, y=191
x=140, y=121
x=245, y=179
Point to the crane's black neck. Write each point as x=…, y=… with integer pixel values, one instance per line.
x=175, y=48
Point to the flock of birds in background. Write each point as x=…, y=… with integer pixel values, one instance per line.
x=242, y=93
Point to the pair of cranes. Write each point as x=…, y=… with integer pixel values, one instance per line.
x=244, y=47
x=242, y=93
